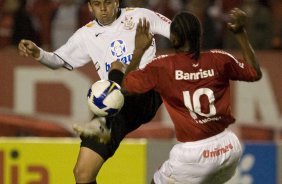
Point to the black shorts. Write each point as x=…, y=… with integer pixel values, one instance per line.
x=137, y=110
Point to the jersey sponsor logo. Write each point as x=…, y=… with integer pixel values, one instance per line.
x=201, y=74
x=217, y=151
x=128, y=23
x=126, y=60
x=206, y=120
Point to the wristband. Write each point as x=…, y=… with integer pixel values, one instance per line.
x=40, y=55
x=116, y=76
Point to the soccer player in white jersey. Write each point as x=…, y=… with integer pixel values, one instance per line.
x=195, y=88
x=109, y=37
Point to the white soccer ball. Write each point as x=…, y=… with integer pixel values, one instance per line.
x=105, y=98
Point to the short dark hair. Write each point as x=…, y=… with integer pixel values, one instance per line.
x=187, y=28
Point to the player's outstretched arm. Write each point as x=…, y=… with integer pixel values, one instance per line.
x=237, y=26
x=49, y=59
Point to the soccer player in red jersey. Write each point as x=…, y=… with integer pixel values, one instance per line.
x=195, y=89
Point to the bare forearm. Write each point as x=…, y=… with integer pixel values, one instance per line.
x=248, y=51
x=136, y=59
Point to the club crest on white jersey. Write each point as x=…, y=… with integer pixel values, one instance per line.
x=128, y=23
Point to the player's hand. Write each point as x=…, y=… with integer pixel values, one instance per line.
x=237, y=20
x=28, y=48
x=143, y=37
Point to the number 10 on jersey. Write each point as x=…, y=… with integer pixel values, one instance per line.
x=193, y=103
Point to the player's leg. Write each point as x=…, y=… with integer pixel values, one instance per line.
x=93, y=153
x=137, y=109
x=141, y=109
x=87, y=166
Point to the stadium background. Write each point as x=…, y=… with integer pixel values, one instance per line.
x=38, y=105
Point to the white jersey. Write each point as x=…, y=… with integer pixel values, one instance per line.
x=105, y=44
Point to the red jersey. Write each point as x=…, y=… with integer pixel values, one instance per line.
x=196, y=94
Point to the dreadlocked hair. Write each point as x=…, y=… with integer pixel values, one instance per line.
x=187, y=28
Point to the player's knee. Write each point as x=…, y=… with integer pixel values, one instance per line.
x=82, y=175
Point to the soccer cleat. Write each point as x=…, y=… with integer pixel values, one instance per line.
x=96, y=128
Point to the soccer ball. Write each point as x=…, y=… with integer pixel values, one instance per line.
x=105, y=98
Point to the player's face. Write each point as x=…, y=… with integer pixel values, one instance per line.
x=105, y=11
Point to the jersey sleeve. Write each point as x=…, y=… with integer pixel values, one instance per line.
x=159, y=24
x=141, y=81
x=234, y=69
x=72, y=52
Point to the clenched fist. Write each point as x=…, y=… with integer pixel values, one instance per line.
x=237, y=20
x=28, y=48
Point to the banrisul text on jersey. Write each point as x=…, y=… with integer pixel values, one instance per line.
x=201, y=74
